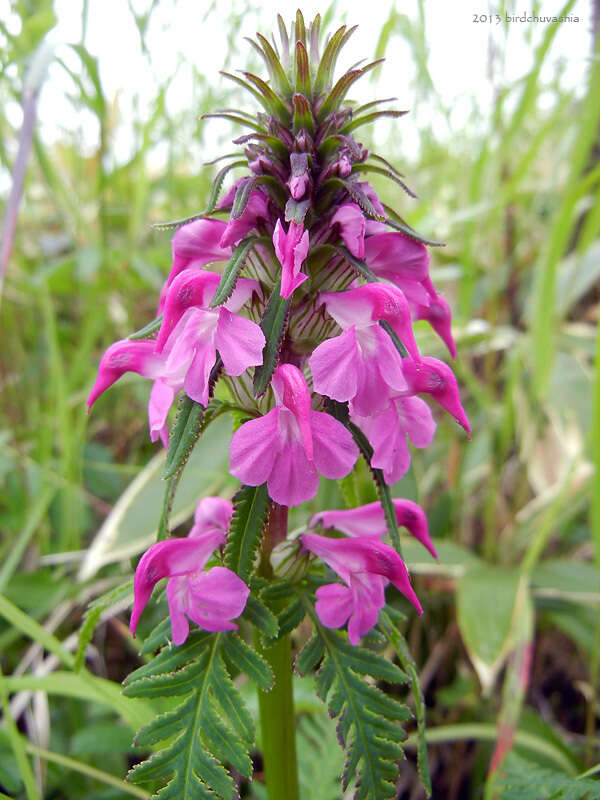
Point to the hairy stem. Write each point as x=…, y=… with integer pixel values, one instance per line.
x=276, y=708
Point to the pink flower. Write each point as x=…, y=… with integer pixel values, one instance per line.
x=211, y=599
x=362, y=364
x=366, y=565
x=256, y=209
x=397, y=258
x=437, y=313
x=369, y=520
x=139, y=356
x=299, y=179
x=352, y=228
x=291, y=249
x=433, y=377
x=194, y=334
x=197, y=244
x=213, y=514
x=291, y=444
x=387, y=431
x=372, y=225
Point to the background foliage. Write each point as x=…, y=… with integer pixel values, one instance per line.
x=508, y=648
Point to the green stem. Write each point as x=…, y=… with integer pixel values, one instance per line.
x=278, y=724
x=276, y=707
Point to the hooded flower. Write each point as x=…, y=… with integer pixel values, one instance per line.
x=369, y=520
x=291, y=249
x=351, y=222
x=437, y=313
x=289, y=446
x=366, y=565
x=140, y=356
x=211, y=599
x=256, y=209
x=197, y=244
x=362, y=364
x=193, y=332
x=431, y=376
x=388, y=430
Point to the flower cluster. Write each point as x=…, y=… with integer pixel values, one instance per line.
x=332, y=283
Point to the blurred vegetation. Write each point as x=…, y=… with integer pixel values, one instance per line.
x=509, y=646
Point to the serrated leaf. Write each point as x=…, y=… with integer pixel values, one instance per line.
x=242, y=196
x=273, y=325
x=261, y=617
x=368, y=720
x=186, y=431
x=199, y=738
x=291, y=616
x=275, y=104
x=309, y=656
x=248, y=661
x=387, y=174
x=276, y=71
x=250, y=510
x=237, y=118
x=357, y=121
x=218, y=183
x=232, y=271
x=356, y=193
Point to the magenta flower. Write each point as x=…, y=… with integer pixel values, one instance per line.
x=198, y=244
x=388, y=430
x=291, y=249
x=366, y=565
x=193, y=333
x=437, y=313
x=299, y=179
x=369, y=520
x=256, y=209
x=289, y=446
x=211, y=599
x=351, y=222
x=139, y=356
x=397, y=258
x=362, y=364
x=431, y=376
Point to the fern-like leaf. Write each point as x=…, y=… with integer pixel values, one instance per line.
x=523, y=780
x=369, y=722
x=209, y=729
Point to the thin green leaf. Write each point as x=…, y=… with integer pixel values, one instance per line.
x=232, y=271
x=186, y=431
x=273, y=325
x=250, y=511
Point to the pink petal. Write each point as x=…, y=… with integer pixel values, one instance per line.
x=293, y=479
x=291, y=249
x=438, y=315
x=365, y=614
x=334, y=604
x=411, y=516
x=121, y=357
x=243, y=291
x=415, y=417
x=373, y=197
x=236, y=229
x=388, y=440
x=351, y=220
x=198, y=242
x=239, y=341
x=196, y=383
x=216, y=597
x=335, y=452
x=166, y=560
x=254, y=447
x=386, y=562
x=177, y=591
x=335, y=366
x=211, y=514
x=161, y=400
x=291, y=390
x=393, y=255
x=433, y=377
x=190, y=288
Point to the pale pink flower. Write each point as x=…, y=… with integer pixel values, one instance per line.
x=289, y=446
x=388, y=430
x=351, y=222
x=369, y=520
x=366, y=565
x=291, y=249
x=211, y=599
x=362, y=364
